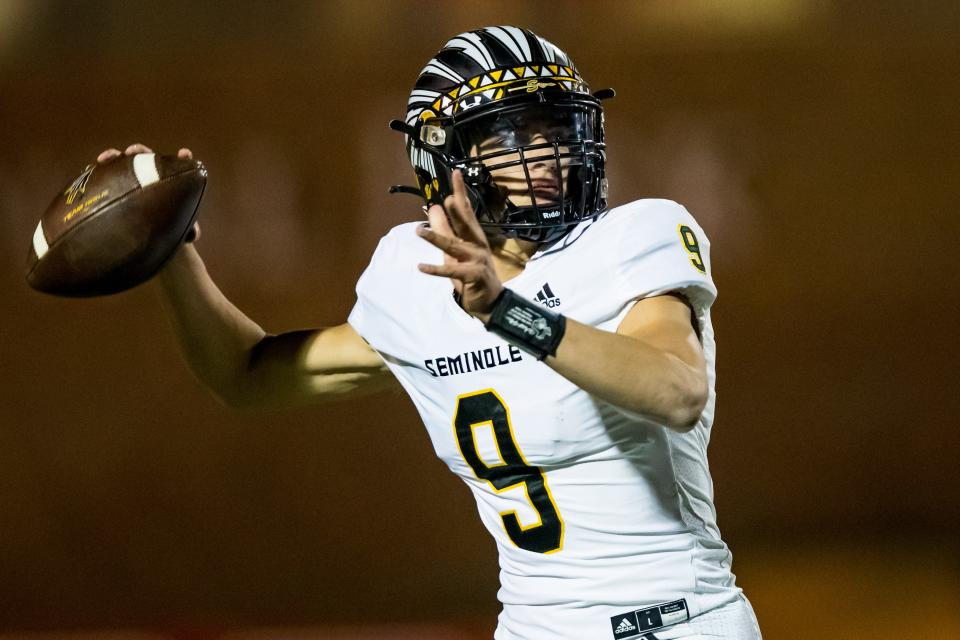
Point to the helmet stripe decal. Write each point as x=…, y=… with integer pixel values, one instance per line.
x=521, y=38
x=471, y=45
x=509, y=41
x=549, y=51
x=440, y=69
x=424, y=96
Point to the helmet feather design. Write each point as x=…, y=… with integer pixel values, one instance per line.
x=511, y=111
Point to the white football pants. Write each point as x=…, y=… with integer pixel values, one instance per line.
x=734, y=621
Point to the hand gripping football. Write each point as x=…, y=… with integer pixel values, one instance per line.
x=115, y=225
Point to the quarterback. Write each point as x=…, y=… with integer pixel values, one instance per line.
x=560, y=352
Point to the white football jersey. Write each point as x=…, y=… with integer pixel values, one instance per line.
x=604, y=520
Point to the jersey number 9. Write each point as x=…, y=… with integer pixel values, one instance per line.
x=692, y=245
x=487, y=408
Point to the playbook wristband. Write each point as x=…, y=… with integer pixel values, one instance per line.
x=525, y=324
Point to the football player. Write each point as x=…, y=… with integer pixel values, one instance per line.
x=560, y=353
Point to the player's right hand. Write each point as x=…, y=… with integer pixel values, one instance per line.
x=109, y=154
x=467, y=257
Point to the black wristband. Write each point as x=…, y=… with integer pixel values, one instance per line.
x=525, y=324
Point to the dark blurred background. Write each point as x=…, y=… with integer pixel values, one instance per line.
x=816, y=142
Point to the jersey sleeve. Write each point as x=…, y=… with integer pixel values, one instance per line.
x=390, y=292
x=365, y=309
x=663, y=250
x=382, y=295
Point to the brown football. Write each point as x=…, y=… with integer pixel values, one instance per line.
x=115, y=225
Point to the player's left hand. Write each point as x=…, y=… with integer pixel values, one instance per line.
x=467, y=259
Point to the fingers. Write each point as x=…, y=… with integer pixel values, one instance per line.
x=442, y=270
x=108, y=155
x=135, y=148
x=194, y=234
x=462, y=217
x=458, y=206
x=449, y=244
x=438, y=220
x=463, y=272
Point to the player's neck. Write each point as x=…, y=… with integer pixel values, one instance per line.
x=510, y=256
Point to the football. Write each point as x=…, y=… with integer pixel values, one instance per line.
x=115, y=225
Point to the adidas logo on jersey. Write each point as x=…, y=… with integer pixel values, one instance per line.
x=625, y=626
x=632, y=624
x=546, y=297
